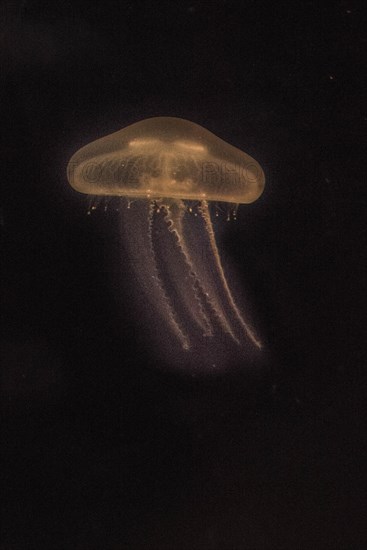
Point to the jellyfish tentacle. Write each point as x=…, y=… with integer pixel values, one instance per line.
x=171, y=313
x=173, y=218
x=143, y=261
x=204, y=211
x=210, y=297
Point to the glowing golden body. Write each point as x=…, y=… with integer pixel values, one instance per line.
x=166, y=157
x=172, y=249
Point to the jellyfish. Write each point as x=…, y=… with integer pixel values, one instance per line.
x=168, y=171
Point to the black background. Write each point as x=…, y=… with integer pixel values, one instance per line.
x=105, y=446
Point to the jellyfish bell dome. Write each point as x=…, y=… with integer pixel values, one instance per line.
x=166, y=157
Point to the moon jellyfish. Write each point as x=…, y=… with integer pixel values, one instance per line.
x=169, y=170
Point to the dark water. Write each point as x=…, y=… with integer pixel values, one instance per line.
x=104, y=446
